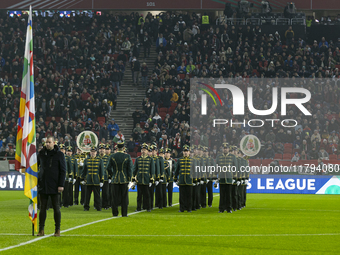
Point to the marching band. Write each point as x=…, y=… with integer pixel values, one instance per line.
x=110, y=175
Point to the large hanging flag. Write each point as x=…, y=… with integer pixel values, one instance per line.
x=25, y=155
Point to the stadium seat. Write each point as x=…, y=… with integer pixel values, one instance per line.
x=332, y=156
x=296, y=150
x=287, y=150
x=287, y=156
x=255, y=162
x=101, y=119
x=266, y=162
x=288, y=145
x=163, y=109
x=278, y=156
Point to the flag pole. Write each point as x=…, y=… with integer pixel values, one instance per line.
x=32, y=229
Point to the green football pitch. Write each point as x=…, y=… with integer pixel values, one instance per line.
x=270, y=224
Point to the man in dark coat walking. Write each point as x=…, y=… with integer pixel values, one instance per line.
x=51, y=180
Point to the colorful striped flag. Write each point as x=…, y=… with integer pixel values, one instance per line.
x=25, y=155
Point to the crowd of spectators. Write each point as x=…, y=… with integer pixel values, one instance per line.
x=187, y=50
x=80, y=63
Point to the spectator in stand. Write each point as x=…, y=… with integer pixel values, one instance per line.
x=160, y=42
x=135, y=69
x=85, y=95
x=315, y=135
x=271, y=137
x=146, y=44
x=131, y=145
x=89, y=124
x=116, y=79
x=296, y=157
x=323, y=42
x=325, y=145
x=104, y=132
x=269, y=152
x=144, y=72
x=304, y=156
x=289, y=34
x=113, y=129
x=119, y=137
x=333, y=148
x=297, y=143
x=323, y=154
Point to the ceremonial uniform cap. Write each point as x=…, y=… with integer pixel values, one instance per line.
x=144, y=146
x=120, y=144
x=186, y=147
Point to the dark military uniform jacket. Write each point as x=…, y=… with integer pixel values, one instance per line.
x=105, y=160
x=144, y=170
x=161, y=168
x=226, y=160
x=80, y=158
x=198, y=162
x=157, y=167
x=171, y=169
x=166, y=171
x=74, y=166
x=245, y=174
x=183, y=170
x=93, y=171
x=119, y=166
x=69, y=168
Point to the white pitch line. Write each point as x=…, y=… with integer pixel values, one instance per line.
x=70, y=229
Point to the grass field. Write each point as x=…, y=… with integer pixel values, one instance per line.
x=270, y=224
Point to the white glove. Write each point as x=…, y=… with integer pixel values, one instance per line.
x=109, y=181
x=238, y=183
x=160, y=180
x=207, y=181
x=193, y=184
x=246, y=181
x=150, y=184
x=81, y=164
x=74, y=181
x=201, y=182
x=101, y=184
x=167, y=184
x=156, y=182
x=70, y=179
x=234, y=181
x=177, y=183
x=82, y=182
